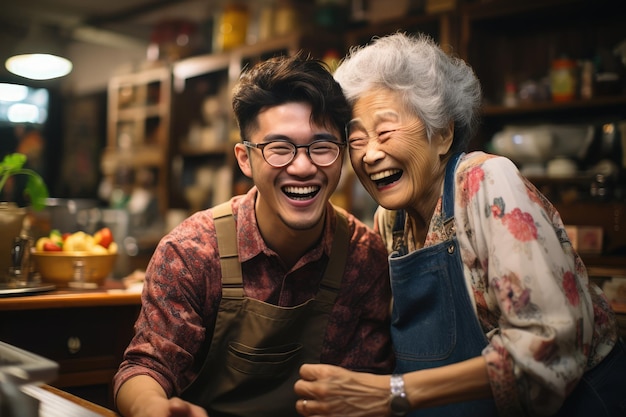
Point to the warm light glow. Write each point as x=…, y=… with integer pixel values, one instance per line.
x=39, y=66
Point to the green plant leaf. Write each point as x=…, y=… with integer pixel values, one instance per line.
x=36, y=189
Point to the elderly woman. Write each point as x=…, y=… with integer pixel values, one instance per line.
x=493, y=312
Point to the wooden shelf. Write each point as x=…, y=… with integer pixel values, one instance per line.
x=497, y=9
x=138, y=130
x=545, y=108
x=186, y=150
x=202, y=82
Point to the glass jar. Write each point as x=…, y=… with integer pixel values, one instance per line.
x=232, y=27
x=563, y=82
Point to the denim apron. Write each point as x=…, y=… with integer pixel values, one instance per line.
x=433, y=322
x=257, y=348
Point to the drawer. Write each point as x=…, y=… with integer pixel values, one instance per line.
x=79, y=338
x=87, y=342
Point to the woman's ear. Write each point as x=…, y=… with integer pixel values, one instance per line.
x=446, y=138
x=243, y=159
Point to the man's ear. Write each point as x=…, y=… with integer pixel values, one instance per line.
x=446, y=137
x=243, y=159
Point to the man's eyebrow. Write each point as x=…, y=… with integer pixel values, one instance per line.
x=316, y=136
x=275, y=136
x=324, y=136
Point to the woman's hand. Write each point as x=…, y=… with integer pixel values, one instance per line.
x=327, y=390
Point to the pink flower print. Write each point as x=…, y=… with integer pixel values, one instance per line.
x=474, y=178
x=513, y=296
x=472, y=183
x=571, y=289
x=543, y=350
x=521, y=225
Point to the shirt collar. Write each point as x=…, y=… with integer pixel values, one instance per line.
x=252, y=243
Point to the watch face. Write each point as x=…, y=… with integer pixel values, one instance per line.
x=399, y=406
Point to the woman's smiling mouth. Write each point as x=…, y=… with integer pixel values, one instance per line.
x=386, y=177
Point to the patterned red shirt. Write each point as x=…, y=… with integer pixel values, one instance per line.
x=182, y=293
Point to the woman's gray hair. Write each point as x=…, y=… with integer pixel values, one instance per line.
x=436, y=86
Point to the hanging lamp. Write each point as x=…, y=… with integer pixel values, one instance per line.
x=38, y=57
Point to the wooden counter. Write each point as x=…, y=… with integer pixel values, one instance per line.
x=50, y=398
x=70, y=298
x=85, y=331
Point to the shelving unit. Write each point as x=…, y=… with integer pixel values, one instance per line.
x=508, y=41
x=442, y=28
x=138, y=135
x=203, y=128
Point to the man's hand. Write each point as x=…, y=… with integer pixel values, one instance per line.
x=142, y=396
x=173, y=407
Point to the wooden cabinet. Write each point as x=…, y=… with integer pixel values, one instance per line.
x=442, y=27
x=86, y=333
x=138, y=136
x=514, y=45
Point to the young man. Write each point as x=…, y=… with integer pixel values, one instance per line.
x=239, y=296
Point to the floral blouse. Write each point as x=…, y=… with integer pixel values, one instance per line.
x=545, y=322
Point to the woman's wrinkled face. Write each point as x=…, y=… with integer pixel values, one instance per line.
x=389, y=150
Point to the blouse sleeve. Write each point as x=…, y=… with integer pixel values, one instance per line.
x=532, y=281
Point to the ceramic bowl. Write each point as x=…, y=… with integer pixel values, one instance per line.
x=524, y=144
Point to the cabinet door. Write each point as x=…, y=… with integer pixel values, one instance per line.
x=87, y=342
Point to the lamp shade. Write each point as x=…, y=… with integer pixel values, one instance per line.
x=38, y=57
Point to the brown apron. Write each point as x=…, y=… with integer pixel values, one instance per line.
x=257, y=348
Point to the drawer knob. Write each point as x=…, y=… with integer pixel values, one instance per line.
x=73, y=345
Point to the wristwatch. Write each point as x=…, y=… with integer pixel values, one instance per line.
x=399, y=403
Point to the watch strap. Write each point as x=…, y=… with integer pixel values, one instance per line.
x=399, y=405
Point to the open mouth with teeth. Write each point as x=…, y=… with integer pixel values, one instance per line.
x=386, y=177
x=301, y=193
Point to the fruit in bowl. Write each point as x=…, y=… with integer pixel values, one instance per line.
x=72, y=258
x=100, y=242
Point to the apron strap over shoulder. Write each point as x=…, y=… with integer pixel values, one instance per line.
x=331, y=282
x=232, y=283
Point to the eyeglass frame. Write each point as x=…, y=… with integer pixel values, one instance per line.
x=261, y=147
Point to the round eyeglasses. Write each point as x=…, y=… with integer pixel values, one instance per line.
x=280, y=153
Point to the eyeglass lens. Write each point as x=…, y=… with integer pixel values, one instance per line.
x=322, y=153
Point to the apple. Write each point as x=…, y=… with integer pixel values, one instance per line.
x=51, y=246
x=103, y=237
